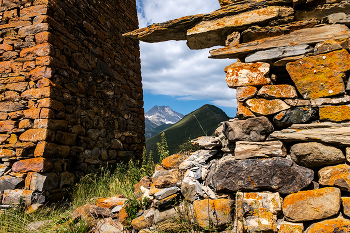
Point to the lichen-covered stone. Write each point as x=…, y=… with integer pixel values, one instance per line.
x=33, y=165
x=244, y=93
x=266, y=107
x=17, y=196
x=173, y=161
x=268, y=149
x=278, y=91
x=166, y=179
x=247, y=74
x=243, y=112
x=346, y=205
x=289, y=227
x=321, y=75
x=218, y=212
x=338, y=176
x=312, y=204
x=314, y=154
x=296, y=115
x=111, y=202
x=330, y=225
x=335, y=113
x=206, y=142
x=144, y=221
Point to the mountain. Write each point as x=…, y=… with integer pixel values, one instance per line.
x=209, y=117
x=159, y=118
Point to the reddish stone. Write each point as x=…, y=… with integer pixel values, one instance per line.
x=32, y=11
x=21, y=86
x=32, y=113
x=3, y=137
x=28, y=66
x=123, y=216
x=5, y=153
x=16, y=115
x=144, y=182
x=6, y=126
x=40, y=50
x=50, y=124
x=5, y=47
x=9, y=106
x=11, y=96
x=5, y=67
x=321, y=75
x=244, y=93
x=52, y=104
x=25, y=124
x=39, y=73
x=38, y=93
x=247, y=74
x=43, y=37
x=15, y=24
x=266, y=107
x=3, y=116
x=335, y=113
x=33, y=29
x=111, y=202
x=33, y=165
x=278, y=91
x=46, y=149
x=35, y=135
x=47, y=113
x=243, y=112
x=13, y=79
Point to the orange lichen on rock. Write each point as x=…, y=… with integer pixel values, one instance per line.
x=244, y=93
x=335, y=176
x=243, y=112
x=111, y=202
x=335, y=113
x=331, y=225
x=33, y=165
x=173, y=161
x=278, y=91
x=266, y=107
x=216, y=211
x=321, y=75
x=287, y=227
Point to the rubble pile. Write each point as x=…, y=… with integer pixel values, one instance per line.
x=282, y=164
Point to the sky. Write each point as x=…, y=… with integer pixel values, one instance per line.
x=172, y=74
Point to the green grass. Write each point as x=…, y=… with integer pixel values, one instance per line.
x=92, y=187
x=208, y=117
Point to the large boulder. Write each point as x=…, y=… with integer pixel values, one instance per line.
x=278, y=174
x=254, y=129
x=312, y=204
x=314, y=154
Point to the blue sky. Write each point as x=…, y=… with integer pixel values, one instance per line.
x=176, y=76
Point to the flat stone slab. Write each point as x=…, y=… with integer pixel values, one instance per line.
x=312, y=204
x=302, y=36
x=278, y=53
x=330, y=225
x=337, y=134
x=247, y=150
x=266, y=107
x=277, y=174
x=206, y=142
x=210, y=33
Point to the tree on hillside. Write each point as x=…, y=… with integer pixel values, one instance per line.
x=162, y=148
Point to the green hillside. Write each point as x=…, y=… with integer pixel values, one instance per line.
x=209, y=117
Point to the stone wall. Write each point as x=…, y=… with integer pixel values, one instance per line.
x=71, y=96
x=282, y=164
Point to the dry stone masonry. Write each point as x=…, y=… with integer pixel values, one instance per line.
x=282, y=164
x=70, y=93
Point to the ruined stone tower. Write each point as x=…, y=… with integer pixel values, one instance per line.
x=70, y=92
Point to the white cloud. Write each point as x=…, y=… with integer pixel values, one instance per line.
x=171, y=68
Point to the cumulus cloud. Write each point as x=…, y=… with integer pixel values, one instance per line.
x=171, y=68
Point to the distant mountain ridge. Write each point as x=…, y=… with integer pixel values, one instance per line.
x=159, y=118
x=209, y=117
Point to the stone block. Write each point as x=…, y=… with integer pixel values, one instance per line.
x=43, y=182
x=243, y=112
x=16, y=196
x=144, y=221
x=206, y=142
x=320, y=75
x=166, y=179
x=330, y=225
x=6, y=153
x=38, y=93
x=247, y=74
x=298, y=115
x=111, y=202
x=6, y=126
x=337, y=176
x=33, y=165
x=266, y=107
x=67, y=179
x=278, y=91
x=314, y=154
x=33, y=29
x=312, y=204
x=173, y=161
x=289, y=227
x=335, y=113
x=66, y=138
x=33, y=11
x=218, y=212
x=244, y=93
x=46, y=149
x=10, y=183
x=35, y=135
x=247, y=150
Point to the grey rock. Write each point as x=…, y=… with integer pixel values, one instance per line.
x=325, y=132
x=286, y=60
x=11, y=183
x=278, y=53
x=322, y=101
x=336, y=17
x=108, y=225
x=166, y=192
x=163, y=215
x=197, y=159
x=166, y=202
x=297, y=102
x=278, y=174
x=314, y=154
x=14, y=197
x=253, y=129
x=3, y=168
x=326, y=47
x=206, y=142
x=247, y=150
x=294, y=116
x=44, y=181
